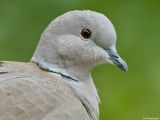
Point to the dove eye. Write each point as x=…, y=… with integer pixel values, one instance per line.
x=86, y=33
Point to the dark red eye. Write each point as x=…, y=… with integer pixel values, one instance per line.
x=86, y=33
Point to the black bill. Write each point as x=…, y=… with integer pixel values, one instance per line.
x=117, y=60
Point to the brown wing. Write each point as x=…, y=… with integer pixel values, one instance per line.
x=28, y=93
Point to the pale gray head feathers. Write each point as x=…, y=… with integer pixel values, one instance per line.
x=62, y=48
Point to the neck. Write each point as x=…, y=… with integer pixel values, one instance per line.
x=82, y=82
x=66, y=67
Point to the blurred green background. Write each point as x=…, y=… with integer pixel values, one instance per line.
x=124, y=96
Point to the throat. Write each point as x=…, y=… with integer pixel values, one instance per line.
x=73, y=72
x=85, y=91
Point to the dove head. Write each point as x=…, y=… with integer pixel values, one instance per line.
x=78, y=40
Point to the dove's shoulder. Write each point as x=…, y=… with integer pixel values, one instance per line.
x=30, y=93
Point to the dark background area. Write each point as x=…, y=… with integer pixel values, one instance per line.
x=124, y=96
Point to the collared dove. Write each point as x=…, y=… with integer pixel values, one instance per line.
x=56, y=84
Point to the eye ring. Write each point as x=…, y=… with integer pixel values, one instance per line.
x=85, y=33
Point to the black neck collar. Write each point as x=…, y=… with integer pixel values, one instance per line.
x=67, y=77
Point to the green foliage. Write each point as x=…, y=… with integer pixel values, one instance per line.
x=124, y=96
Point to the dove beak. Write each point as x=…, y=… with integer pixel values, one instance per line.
x=116, y=59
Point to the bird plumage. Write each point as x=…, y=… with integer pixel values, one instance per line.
x=29, y=93
x=57, y=84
